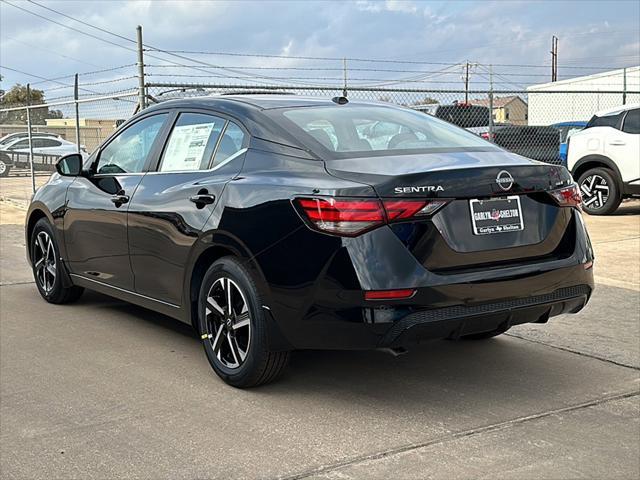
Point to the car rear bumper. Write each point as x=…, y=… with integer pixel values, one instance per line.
x=485, y=307
x=331, y=312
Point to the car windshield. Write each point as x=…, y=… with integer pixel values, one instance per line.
x=343, y=131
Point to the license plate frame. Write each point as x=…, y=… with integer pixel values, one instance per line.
x=506, y=222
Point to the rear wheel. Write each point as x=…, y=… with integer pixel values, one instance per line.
x=233, y=327
x=600, y=191
x=47, y=271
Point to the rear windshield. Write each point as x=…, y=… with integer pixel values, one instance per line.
x=348, y=130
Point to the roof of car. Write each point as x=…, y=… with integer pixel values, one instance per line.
x=616, y=110
x=262, y=101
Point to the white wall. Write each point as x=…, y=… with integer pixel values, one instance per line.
x=546, y=107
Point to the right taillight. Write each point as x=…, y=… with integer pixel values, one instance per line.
x=567, y=196
x=352, y=216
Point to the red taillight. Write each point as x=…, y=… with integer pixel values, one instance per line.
x=342, y=217
x=350, y=217
x=389, y=294
x=567, y=196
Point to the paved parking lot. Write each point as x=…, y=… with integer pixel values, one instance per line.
x=103, y=389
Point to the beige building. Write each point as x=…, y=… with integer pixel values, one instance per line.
x=511, y=109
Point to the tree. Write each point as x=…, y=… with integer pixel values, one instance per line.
x=425, y=101
x=17, y=97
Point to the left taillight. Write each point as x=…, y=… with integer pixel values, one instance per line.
x=350, y=216
x=568, y=196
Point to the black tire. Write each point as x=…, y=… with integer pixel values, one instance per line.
x=259, y=365
x=50, y=285
x=600, y=191
x=4, y=168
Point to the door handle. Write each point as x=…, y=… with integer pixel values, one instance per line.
x=617, y=142
x=119, y=199
x=203, y=199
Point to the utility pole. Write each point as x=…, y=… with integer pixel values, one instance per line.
x=141, y=94
x=344, y=69
x=466, y=84
x=554, y=58
x=491, y=103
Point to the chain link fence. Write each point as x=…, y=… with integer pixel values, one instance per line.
x=57, y=128
x=535, y=124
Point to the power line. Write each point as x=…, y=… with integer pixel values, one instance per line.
x=42, y=78
x=51, y=51
x=119, y=36
x=67, y=26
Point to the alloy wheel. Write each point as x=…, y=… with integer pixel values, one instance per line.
x=3, y=167
x=228, y=323
x=595, y=191
x=45, y=261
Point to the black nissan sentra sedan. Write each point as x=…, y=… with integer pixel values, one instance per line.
x=278, y=222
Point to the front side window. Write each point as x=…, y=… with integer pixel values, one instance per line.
x=632, y=122
x=372, y=128
x=128, y=152
x=20, y=144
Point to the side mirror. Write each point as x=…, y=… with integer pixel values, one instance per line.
x=70, y=165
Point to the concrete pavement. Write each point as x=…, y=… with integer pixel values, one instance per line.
x=103, y=389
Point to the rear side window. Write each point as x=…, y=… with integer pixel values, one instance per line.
x=192, y=142
x=632, y=121
x=230, y=143
x=48, y=142
x=606, y=121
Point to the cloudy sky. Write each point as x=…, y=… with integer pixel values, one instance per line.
x=594, y=36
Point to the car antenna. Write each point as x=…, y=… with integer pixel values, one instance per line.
x=340, y=100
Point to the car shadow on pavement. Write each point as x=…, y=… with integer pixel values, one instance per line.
x=501, y=373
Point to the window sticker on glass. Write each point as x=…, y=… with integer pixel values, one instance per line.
x=187, y=147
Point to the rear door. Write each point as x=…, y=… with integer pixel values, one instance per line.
x=170, y=207
x=95, y=220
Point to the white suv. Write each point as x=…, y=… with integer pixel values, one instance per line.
x=604, y=158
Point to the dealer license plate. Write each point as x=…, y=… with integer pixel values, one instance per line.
x=496, y=215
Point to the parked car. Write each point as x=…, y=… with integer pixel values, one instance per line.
x=44, y=145
x=536, y=142
x=604, y=158
x=567, y=129
x=16, y=135
x=277, y=234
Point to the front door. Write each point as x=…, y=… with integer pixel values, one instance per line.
x=171, y=205
x=95, y=219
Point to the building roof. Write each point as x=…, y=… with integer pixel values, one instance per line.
x=610, y=80
x=498, y=102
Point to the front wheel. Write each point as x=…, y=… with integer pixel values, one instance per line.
x=233, y=327
x=600, y=191
x=4, y=168
x=47, y=271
